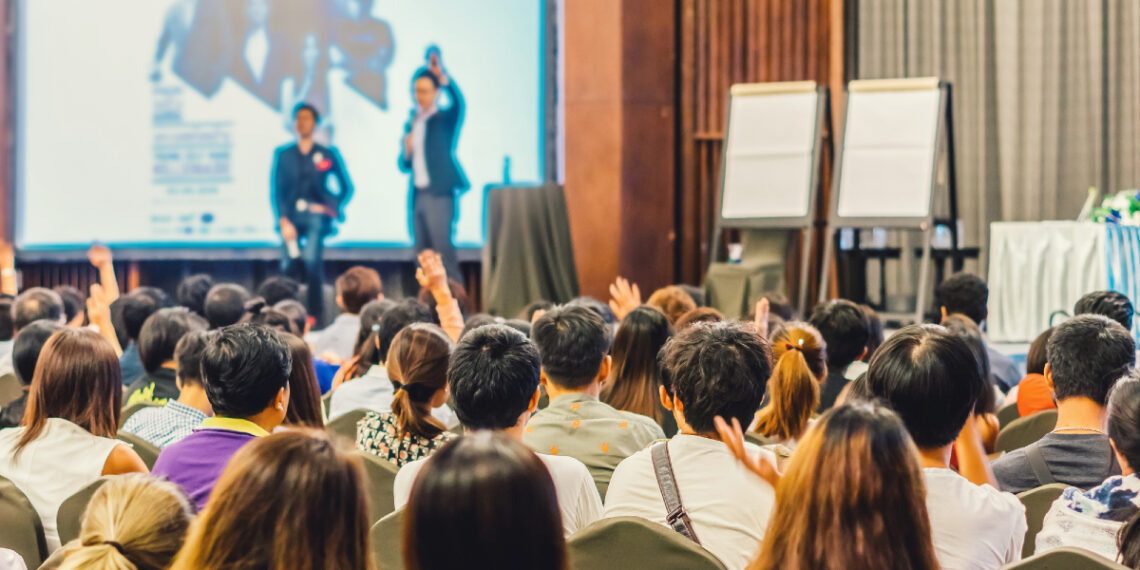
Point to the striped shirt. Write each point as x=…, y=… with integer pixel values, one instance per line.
x=166, y=425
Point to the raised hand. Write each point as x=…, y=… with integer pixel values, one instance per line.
x=431, y=273
x=733, y=437
x=763, y=308
x=624, y=297
x=99, y=255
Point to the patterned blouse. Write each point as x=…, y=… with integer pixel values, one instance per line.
x=376, y=434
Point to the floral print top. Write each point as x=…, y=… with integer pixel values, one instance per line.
x=376, y=433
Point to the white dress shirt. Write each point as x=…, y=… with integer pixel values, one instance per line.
x=974, y=527
x=728, y=504
x=337, y=338
x=577, y=497
x=419, y=161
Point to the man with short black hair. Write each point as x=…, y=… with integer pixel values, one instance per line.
x=493, y=378
x=157, y=340
x=843, y=327
x=1087, y=355
x=192, y=292
x=246, y=368
x=25, y=352
x=355, y=288
x=967, y=294
x=931, y=379
x=32, y=305
x=277, y=289
x=178, y=418
x=134, y=309
x=574, y=343
x=1111, y=304
x=708, y=370
x=225, y=304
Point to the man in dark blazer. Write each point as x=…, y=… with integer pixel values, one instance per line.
x=435, y=177
x=309, y=190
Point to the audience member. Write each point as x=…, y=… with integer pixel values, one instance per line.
x=709, y=370
x=1092, y=519
x=6, y=332
x=297, y=313
x=793, y=388
x=259, y=313
x=1087, y=355
x=573, y=342
x=134, y=309
x=527, y=314
x=225, y=305
x=246, y=369
x=1128, y=541
x=304, y=393
x=874, y=340
x=852, y=498
x=458, y=291
x=448, y=309
x=1111, y=304
x=932, y=380
x=279, y=288
x=484, y=502
x=178, y=418
x=779, y=305
x=493, y=378
x=845, y=333
x=698, y=315
x=417, y=366
x=160, y=298
x=354, y=289
x=985, y=411
x=634, y=383
x=599, y=308
x=192, y=292
x=66, y=440
x=289, y=500
x=1033, y=394
x=133, y=521
x=697, y=294
x=74, y=305
x=157, y=340
x=32, y=305
x=673, y=301
x=967, y=294
x=25, y=354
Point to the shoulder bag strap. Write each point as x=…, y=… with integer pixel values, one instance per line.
x=676, y=516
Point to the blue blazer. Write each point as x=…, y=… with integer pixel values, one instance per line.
x=297, y=176
x=447, y=177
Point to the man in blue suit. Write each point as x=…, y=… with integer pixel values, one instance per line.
x=310, y=188
x=428, y=156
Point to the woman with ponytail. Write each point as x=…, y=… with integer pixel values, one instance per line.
x=417, y=366
x=132, y=522
x=793, y=387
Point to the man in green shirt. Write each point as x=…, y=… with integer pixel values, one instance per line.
x=573, y=342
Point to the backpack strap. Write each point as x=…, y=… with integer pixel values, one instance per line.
x=676, y=516
x=1037, y=463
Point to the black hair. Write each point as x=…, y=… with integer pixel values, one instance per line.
x=1124, y=419
x=295, y=311
x=259, y=313
x=478, y=320
x=35, y=304
x=6, y=330
x=527, y=314
x=603, y=310
x=192, y=291
x=405, y=312
x=519, y=325
x=1038, y=355
x=493, y=374
x=225, y=304
x=1108, y=303
x=422, y=73
x=27, y=346
x=136, y=309
x=161, y=333
x=964, y=293
x=874, y=330
x=73, y=301
x=717, y=369
x=277, y=289
x=244, y=367
x=188, y=355
x=929, y=377
x=160, y=297
x=966, y=329
x=697, y=294
x=306, y=106
x=1087, y=355
x=573, y=342
x=778, y=304
x=844, y=330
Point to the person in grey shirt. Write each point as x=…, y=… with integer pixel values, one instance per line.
x=1087, y=355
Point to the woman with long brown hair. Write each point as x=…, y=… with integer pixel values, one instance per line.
x=304, y=394
x=65, y=440
x=852, y=498
x=417, y=366
x=289, y=501
x=635, y=378
x=793, y=387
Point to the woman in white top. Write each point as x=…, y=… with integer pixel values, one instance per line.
x=64, y=442
x=1093, y=519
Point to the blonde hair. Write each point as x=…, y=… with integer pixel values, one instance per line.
x=133, y=522
x=793, y=388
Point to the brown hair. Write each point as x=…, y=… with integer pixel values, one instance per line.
x=853, y=497
x=78, y=379
x=291, y=501
x=635, y=375
x=133, y=521
x=698, y=315
x=417, y=366
x=673, y=301
x=793, y=387
x=304, y=394
x=358, y=286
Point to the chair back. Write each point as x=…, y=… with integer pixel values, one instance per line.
x=325, y=402
x=1007, y=414
x=1066, y=558
x=10, y=389
x=147, y=451
x=381, y=477
x=345, y=425
x=130, y=410
x=387, y=541
x=633, y=542
x=20, y=526
x=1024, y=431
x=69, y=519
x=1037, y=502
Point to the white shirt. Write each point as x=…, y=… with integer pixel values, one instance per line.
x=374, y=391
x=6, y=365
x=729, y=505
x=577, y=496
x=337, y=338
x=420, y=175
x=62, y=460
x=972, y=526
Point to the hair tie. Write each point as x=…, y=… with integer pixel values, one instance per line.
x=376, y=328
x=116, y=546
x=790, y=346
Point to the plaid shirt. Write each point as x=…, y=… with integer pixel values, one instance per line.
x=166, y=425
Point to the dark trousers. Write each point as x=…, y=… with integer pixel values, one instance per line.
x=310, y=267
x=433, y=221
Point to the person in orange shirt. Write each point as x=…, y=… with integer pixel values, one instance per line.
x=1033, y=392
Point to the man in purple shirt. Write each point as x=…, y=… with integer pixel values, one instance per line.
x=246, y=369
